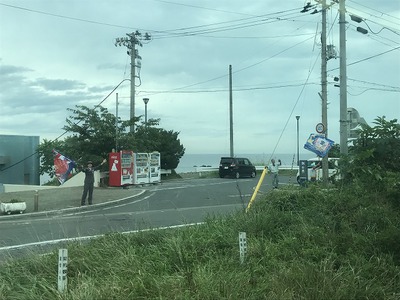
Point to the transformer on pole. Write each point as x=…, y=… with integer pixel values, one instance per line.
x=130, y=42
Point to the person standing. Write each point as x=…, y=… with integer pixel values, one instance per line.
x=274, y=169
x=89, y=181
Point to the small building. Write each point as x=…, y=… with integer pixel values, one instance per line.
x=19, y=160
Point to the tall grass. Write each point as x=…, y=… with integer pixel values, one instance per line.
x=307, y=244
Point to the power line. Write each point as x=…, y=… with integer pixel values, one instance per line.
x=374, y=9
x=240, y=70
x=367, y=58
x=175, y=32
x=36, y=152
x=222, y=26
x=354, y=11
x=220, y=90
x=64, y=17
x=202, y=7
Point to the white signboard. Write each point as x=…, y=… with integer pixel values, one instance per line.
x=242, y=246
x=62, y=269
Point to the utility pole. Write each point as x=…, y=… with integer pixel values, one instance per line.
x=230, y=112
x=116, y=122
x=298, y=133
x=324, y=91
x=343, y=79
x=133, y=39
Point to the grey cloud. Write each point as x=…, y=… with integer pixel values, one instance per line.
x=59, y=84
x=9, y=70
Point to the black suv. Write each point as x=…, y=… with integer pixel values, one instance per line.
x=236, y=167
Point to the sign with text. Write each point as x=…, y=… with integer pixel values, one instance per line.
x=62, y=269
x=318, y=144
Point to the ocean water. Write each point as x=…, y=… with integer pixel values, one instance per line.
x=189, y=162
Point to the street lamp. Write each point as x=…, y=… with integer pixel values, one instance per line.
x=298, y=158
x=145, y=100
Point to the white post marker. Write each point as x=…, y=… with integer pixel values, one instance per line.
x=242, y=246
x=62, y=269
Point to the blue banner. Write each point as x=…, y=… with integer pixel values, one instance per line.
x=318, y=144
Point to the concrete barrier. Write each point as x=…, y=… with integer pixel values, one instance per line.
x=76, y=180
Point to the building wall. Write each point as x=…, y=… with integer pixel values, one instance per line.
x=19, y=162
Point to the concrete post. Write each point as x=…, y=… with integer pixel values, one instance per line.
x=36, y=201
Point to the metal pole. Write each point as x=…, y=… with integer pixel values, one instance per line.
x=324, y=91
x=298, y=149
x=230, y=112
x=133, y=76
x=145, y=114
x=36, y=201
x=145, y=100
x=116, y=122
x=343, y=79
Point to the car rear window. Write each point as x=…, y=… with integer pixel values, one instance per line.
x=226, y=160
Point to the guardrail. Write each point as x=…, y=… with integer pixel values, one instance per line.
x=215, y=169
x=258, y=168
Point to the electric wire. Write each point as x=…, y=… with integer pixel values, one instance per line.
x=375, y=10
x=197, y=32
x=57, y=138
x=170, y=32
x=294, y=106
x=237, y=71
x=205, y=32
x=64, y=17
x=367, y=58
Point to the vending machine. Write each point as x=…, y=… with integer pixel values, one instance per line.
x=121, y=168
x=155, y=167
x=141, y=168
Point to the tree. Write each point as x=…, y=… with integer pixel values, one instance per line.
x=164, y=141
x=373, y=161
x=92, y=135
x=378, y=146
x=334, y=151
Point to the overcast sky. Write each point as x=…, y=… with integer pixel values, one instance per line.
x=56, y=54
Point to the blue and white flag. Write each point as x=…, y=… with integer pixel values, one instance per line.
x=318, y=144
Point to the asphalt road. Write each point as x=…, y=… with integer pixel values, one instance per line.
x=172, y=203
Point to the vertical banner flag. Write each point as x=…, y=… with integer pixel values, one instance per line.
x=63, y=166
x=318, y=144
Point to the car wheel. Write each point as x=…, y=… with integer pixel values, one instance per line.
x=237, y=175
x=221, y=176
x=253, y=174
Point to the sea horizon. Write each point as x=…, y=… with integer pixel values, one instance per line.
x=189, y=162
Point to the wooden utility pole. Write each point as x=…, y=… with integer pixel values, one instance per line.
x=230, y=112
x=343, y=79
x=324, y=91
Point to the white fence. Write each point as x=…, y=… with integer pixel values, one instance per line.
x=258, y=168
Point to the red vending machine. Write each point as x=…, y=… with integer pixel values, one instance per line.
x=121, y=168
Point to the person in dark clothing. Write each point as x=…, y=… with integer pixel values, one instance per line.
x=89, y=181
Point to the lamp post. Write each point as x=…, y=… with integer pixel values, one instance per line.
x=298, y=155
x=145, y=100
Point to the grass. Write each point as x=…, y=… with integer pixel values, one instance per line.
x=302, y=244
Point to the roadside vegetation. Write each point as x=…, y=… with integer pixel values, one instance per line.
x=302, y=243
x=91, y=136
